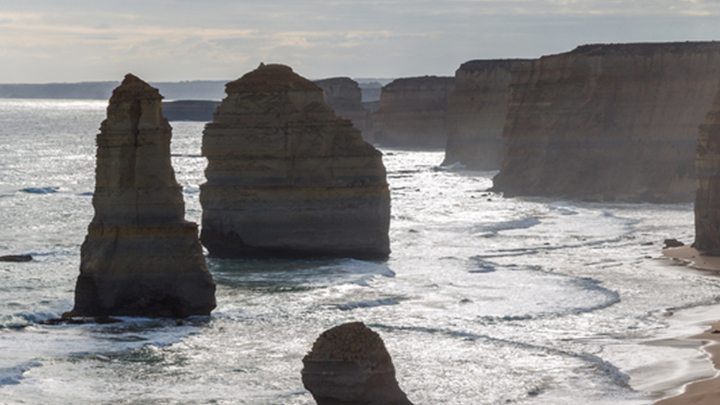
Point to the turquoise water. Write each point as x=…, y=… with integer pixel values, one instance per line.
x=484, y=300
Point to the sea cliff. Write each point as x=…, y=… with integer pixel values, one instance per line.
x=476, y=113
x=609, y=122
x=412, y=112
x=707, y=174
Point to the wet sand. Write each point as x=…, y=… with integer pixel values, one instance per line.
x=707, y=391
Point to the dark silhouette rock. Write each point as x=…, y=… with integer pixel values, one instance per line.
x=140, y=257
x=16, y=258
x=286, y=177
x=672, y=243
x=349, y=365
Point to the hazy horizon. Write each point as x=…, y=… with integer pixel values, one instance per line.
x=68, y=41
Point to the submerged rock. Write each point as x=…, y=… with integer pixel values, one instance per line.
x=412, y=112
x=349, y=365
x=140, y=257
x=476, y=114
x=609, y=122
x=344, y=96
x=707, y=181
x=287, y=178
x=16, y=258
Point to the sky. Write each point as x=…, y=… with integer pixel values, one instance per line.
x=44, y=41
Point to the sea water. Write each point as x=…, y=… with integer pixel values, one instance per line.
x=484, y=299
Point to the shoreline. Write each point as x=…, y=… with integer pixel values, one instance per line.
x=703, y=391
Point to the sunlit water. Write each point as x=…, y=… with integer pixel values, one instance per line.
x=484, y=300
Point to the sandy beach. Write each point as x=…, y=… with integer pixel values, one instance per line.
x=707, y=391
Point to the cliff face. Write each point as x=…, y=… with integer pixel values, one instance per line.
x=349, y=365
x=476, y=113
x=609, y=122
x=287, y=178
x=707, y=172
x=412, y=112
x=344, y=96
x=140, y=257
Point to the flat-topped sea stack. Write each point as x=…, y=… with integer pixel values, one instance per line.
x=476, y=113
x=609, y=122
x=349, y=365
x=707, y=174
x=286, y=177
x=412, y=113
x=344, y=96
x=140, y=257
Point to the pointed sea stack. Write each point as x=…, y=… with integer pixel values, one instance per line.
x=140, y=257
x=349, y=365
x=288, y=178
x=476, y=114
x=707, y=181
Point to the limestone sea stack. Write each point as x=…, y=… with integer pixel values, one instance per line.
x=609, y=122
x=412, y=112
x=349, y=365
x=344, y=96
x=140, y=257
x=707, y=174
x=476, y=113
x=286, y=177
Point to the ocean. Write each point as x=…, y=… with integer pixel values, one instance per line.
x=484, y=299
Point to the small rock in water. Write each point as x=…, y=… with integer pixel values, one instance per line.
x=16, y=258
x=671, y=243
x=349, y=365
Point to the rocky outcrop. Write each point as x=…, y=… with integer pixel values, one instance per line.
x=140, y=257
x=609, y=122
x=189, y=110
x=707, y=174
x=349, y=365
x=288, y=178
x=16, y=258
x=412, y=112
x=343, y=95
x=476, y=114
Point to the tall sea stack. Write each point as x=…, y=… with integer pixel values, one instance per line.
x=609, y=122
x=476, y=114
x=412, y=112
x=286, y=177
x=344, y=96
x=707, y=174
x=140, y=257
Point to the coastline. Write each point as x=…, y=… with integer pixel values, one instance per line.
x=703, y=391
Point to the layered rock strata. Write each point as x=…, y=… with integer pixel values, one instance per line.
x=344, y=96
x=476, y=113
x=412, y=112
x=609, y=122
x=707, y=174
x=140, y=257
x=349, y=365
x=288, y=178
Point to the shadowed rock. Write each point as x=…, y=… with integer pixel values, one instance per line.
x=609, y=122
x=707, y=181
x=349, y=365
x=140, y=257
x=287, y=178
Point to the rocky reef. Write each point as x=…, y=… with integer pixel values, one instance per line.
x=476, y=113
x=349, y=365
x=412, y=112
x=140, y=257
x=286, y=177
x=609, y=122
x=344, y=96
x=707, y=174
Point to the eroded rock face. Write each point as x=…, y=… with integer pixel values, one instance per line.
x=288, y=178
x=344, y=96
x=476, y=114
x=609, y=122
x=349, y=365
x=140, y=257
x=412, y=112
x=707, y=174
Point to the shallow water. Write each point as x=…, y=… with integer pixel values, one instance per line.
x=484, y=300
